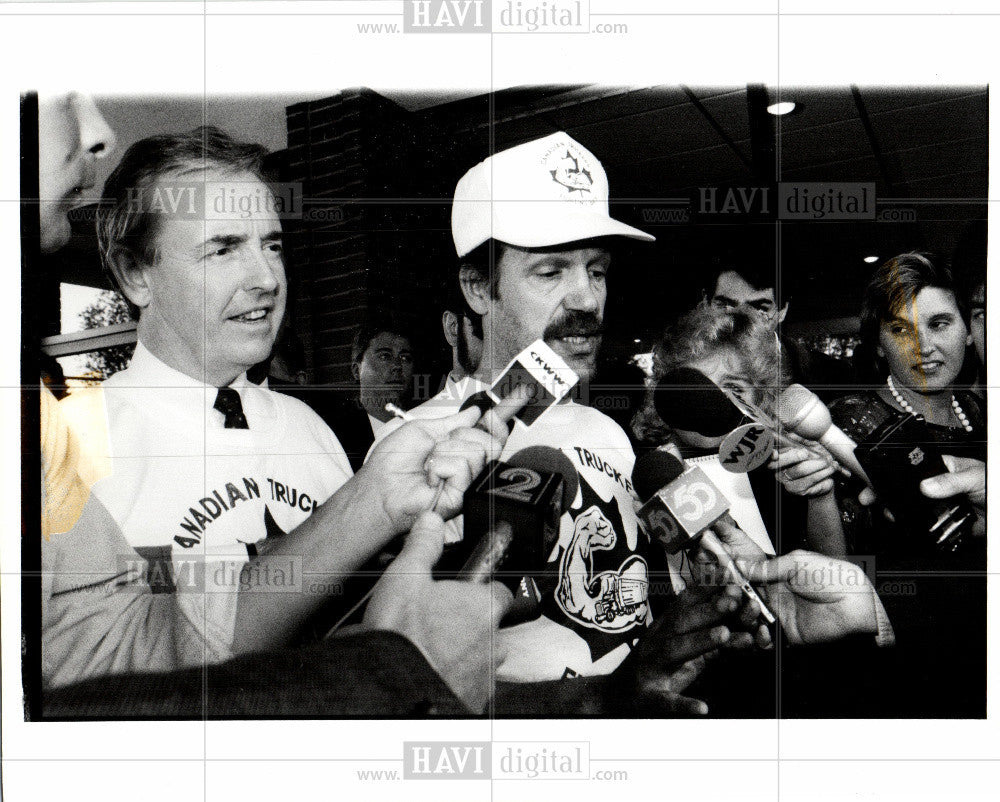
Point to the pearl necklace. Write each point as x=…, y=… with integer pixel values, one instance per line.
x=959, y=412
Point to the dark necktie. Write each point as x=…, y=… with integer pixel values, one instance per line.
x=228, y=403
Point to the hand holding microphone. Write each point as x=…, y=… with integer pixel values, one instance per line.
x=966, y=476
x=452, y=623
x=801, y=471
x=428, y=464
x=801, y=412
x=821, y=599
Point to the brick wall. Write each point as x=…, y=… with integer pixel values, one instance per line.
x=361, y=244
x=383, y=179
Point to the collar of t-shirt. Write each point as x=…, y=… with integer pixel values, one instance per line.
x=377, y=425
x=146, y=370
x=462, y=388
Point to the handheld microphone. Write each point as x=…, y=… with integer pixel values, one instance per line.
x=681, y=510
x=517, y=504
x=538, y=368
x=801, y=412
x=681, y=503
x=687, y=399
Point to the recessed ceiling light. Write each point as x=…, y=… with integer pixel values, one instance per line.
x=637, y=341
x=778, y=109
x=871, y=259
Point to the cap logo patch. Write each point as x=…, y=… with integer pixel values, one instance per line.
x=570, y=174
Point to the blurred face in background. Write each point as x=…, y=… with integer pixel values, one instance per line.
x=732, y=291
x=924, y=343
x=385, y=373
x=72, y=135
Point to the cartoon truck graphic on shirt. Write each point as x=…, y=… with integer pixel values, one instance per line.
x=623, y=596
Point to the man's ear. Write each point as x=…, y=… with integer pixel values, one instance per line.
x=356, y=371
x=132, y=277
x=782, y=314
x=449, y=324
x=475, y=289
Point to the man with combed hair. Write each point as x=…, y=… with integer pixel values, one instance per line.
x=197, y=477
x=745, y=277
x=197, y=465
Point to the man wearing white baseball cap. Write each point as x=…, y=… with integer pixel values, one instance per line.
x=546, y=192
x=541, y=207
x=531, y=227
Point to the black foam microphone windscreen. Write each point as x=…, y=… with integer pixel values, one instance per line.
x=687, y=399
x=653, y=470
x=512, y=513
x=546, y=459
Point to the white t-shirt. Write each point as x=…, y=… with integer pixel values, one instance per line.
x=178, y=483
x=376, y=424
x=597, y=607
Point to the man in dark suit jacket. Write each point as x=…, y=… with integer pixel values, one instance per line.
x=382, y=364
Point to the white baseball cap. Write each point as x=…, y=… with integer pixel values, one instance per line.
x=546, y=192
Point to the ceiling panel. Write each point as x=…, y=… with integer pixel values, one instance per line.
x=943, y=160
x=644, y=135
x=854, y=169
x=618, y=106
x=823, y=143
x=668, y=175
x=969, y=186
x=815, y=107
x=930, y=124
x=882, y=99
x=730, y=112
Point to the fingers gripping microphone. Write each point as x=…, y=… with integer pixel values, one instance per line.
x=801, y=411
x=541, y=371
x=682, y=505
x=517, y=504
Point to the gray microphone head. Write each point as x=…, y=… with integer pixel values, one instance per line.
x=800, y=410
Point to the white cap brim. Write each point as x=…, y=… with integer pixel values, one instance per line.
x=541, y=223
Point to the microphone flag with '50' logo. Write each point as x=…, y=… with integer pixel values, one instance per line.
x=683, y=509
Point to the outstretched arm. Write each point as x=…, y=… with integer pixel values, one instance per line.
x=820, y=599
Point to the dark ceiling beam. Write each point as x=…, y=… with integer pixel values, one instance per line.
x=762, y=150
x=906, y=235
x=880, y=160
x=715, y=125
